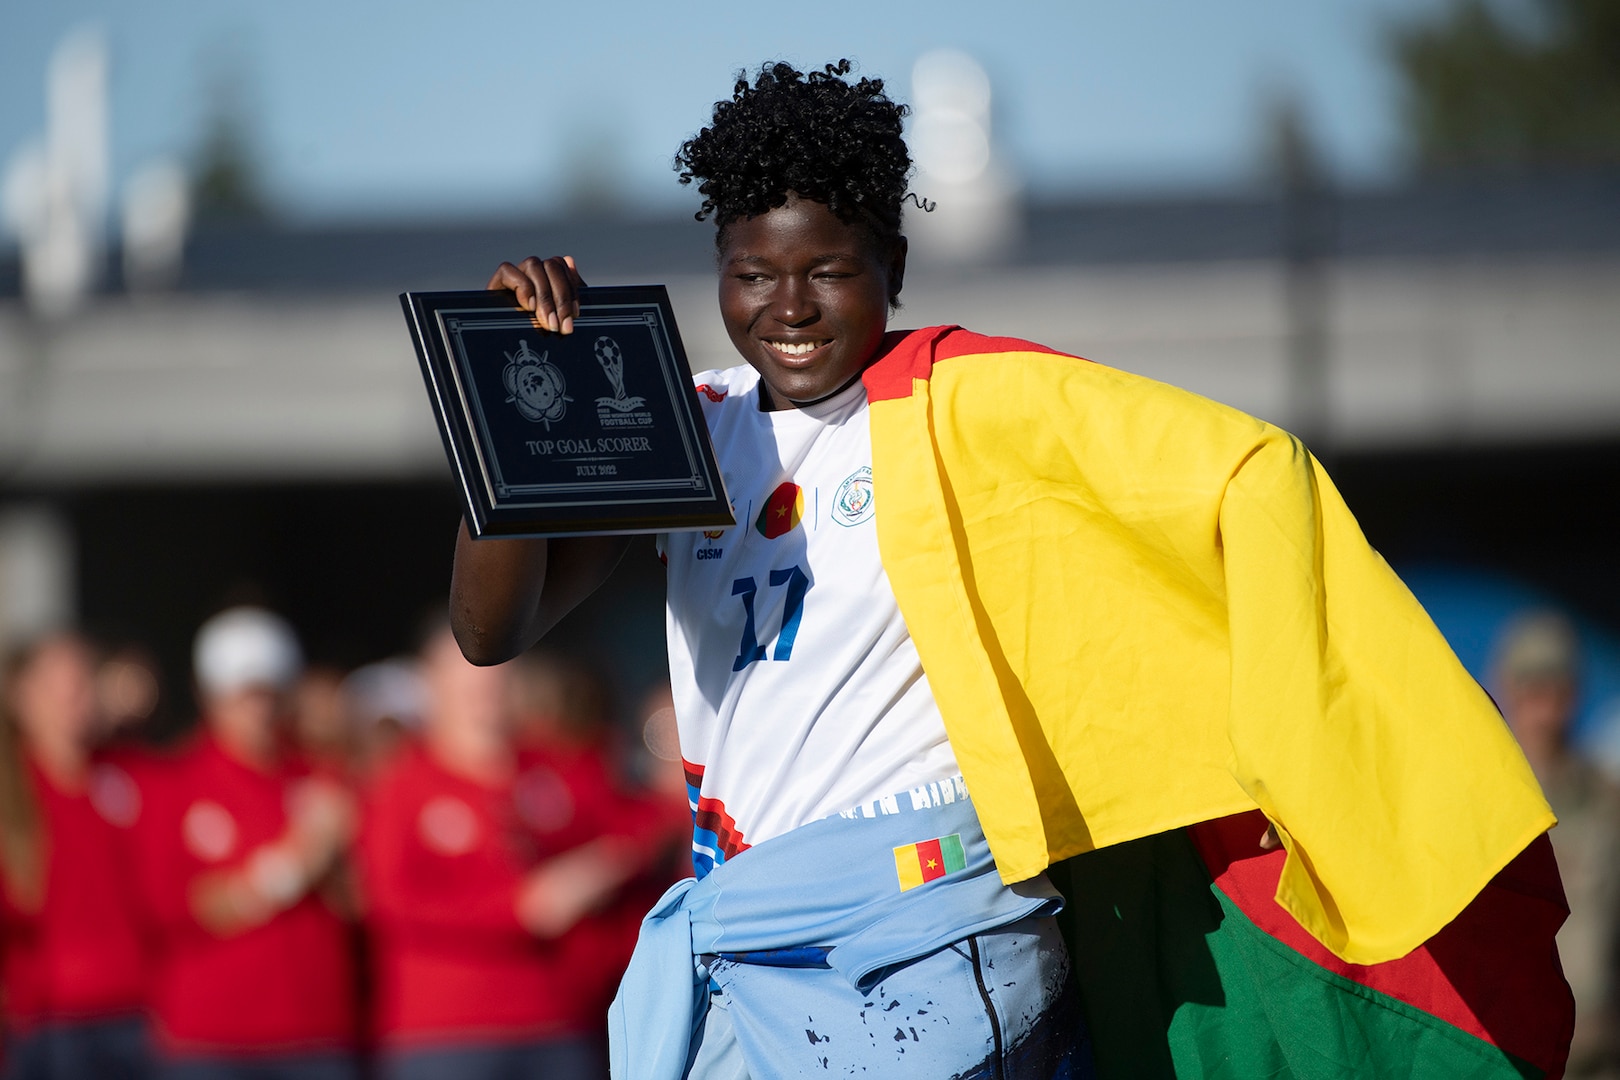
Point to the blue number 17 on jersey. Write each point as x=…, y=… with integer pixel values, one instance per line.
x=750, y=649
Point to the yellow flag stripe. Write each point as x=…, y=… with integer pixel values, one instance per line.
x=1240, y=645
x=907, y=868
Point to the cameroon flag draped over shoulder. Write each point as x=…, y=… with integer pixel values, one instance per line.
x=1140, y=611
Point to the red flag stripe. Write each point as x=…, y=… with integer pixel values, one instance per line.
x=912, y=354
x=931, y=860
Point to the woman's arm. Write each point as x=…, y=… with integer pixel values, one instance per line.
x=506, y=593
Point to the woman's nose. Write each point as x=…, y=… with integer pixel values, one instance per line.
x=792, y=303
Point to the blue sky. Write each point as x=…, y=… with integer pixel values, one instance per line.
x=372, y=109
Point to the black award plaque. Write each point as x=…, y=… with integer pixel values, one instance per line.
x=597, y=431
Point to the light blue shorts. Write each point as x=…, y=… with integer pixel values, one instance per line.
x=996, y=1006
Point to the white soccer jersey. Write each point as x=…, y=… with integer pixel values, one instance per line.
x=798, y=692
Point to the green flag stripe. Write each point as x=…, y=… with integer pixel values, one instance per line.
x=1179, y=984
x=951, y=848
x=1324, y=1025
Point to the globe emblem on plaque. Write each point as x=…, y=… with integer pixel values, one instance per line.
x=535, y=386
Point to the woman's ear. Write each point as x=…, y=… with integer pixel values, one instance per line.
x=897, y=270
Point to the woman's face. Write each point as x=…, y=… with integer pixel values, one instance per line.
x=805, y=299
x=464, y=700
x=54, y=697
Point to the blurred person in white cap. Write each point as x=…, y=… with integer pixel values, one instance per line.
x=255, y=974
x=384, y=702
x=1536, y=675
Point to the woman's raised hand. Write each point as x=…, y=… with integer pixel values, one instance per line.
x=548, y=287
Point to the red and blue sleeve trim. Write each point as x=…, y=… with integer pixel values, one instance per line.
x=715, y=835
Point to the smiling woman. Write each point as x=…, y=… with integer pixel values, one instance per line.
x=805, y=298
x=798, y=691
x=804, y=176
x=989, y=607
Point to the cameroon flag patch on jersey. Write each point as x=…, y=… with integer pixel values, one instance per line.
x=917, y=864
x=783, y=511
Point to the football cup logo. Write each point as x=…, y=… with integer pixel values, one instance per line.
x=611, y=357
x=535, y=386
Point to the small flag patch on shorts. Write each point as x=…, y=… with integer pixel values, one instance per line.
x=919, y=863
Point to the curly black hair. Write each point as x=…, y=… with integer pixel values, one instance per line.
x=812, y=135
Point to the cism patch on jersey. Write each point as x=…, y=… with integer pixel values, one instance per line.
x=783, y=511
x=931, y=859
x=209, y=831
x=708, y=551
x=448, y=826
x=852, y=504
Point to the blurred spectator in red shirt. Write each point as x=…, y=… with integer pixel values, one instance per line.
x=575, y=783
x=254, y=975
x=128, y=695
x=320, y=719
x=1536, y=679
x=473, y=908
x=73, y=972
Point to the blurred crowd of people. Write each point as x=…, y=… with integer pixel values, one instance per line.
x=420, y=869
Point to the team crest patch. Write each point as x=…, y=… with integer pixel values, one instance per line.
x=708, y=551
x=536, y=386
x=852, y=504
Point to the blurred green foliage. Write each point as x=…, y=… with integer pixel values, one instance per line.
x=226, y=183
x=227, y=172
x=1529, y=84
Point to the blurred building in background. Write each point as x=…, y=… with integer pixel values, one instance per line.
x=205, y=404
x=265, y=419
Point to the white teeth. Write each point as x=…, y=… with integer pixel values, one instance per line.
x=795, y=348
